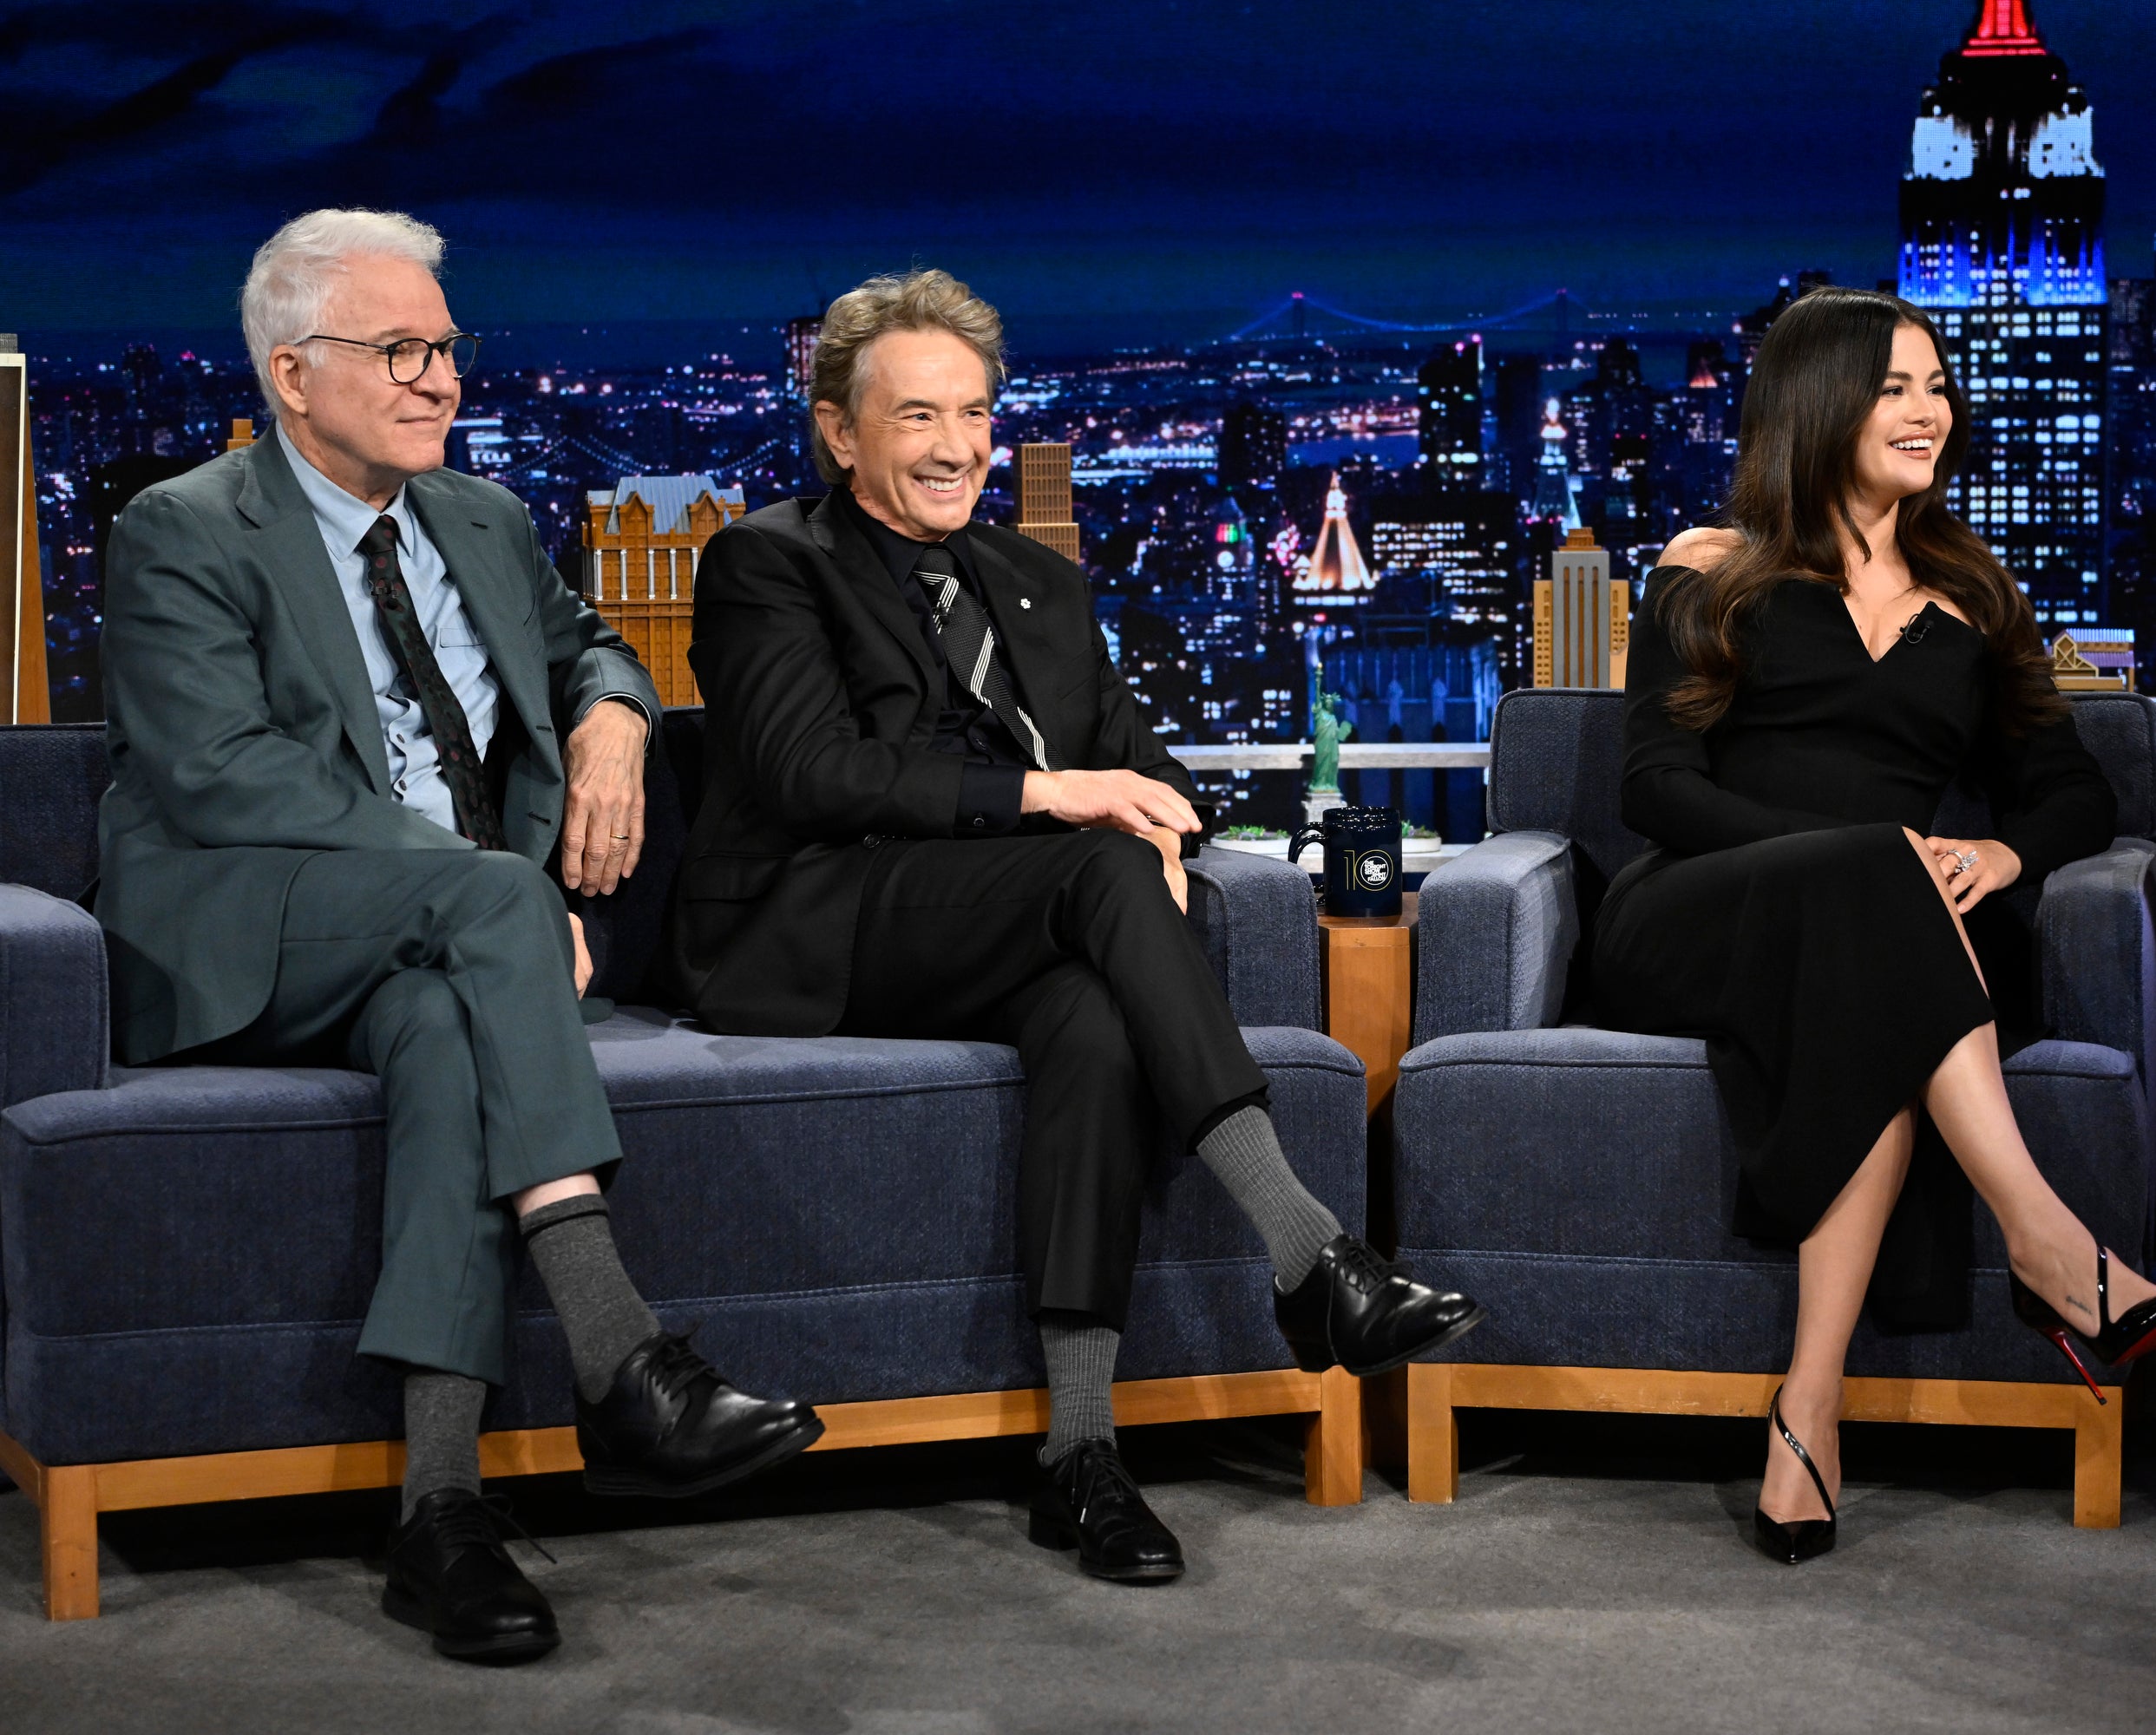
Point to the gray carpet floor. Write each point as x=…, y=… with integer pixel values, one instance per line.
x=1596, y=1576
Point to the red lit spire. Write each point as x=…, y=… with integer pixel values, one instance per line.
x=2002, y=28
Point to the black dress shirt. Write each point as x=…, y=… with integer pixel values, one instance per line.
x=993, y=788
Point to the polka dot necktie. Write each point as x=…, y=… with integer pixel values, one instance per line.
x=969, y=644
x=459, y=760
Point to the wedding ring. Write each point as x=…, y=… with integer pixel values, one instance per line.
x=1963, y=861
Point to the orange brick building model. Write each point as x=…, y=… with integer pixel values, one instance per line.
x=642, y=540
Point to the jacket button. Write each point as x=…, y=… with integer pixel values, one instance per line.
x=980, y=819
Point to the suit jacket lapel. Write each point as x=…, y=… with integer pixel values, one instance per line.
x=498, y=600
x=871, y=579
x=292, y=553
x=1029, y=651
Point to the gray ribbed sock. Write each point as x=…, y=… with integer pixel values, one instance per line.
x=1244, y=1151
x=570, y=1243
x=441, y=1434
x=1081, y=1356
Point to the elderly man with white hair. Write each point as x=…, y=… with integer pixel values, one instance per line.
x=354, y=712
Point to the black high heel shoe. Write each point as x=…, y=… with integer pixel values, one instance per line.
x=2117, y=1341
x=1801, y=1538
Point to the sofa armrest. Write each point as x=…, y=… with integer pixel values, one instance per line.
x=1257, y=919
x=2097, y=952
x=1495, y=936
x=53, y=1034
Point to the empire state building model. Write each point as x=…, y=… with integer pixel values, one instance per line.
x=2002, y=234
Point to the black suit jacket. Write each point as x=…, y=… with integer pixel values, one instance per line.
x=821, y=706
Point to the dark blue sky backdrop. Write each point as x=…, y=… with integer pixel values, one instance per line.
x=1123, y=170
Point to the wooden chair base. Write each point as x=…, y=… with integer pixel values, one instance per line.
x=70, y=1496
x=1438, y=1391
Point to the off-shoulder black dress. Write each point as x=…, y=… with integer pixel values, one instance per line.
x=1784, y=917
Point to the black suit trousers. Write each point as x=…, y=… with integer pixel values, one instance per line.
x=1069, y=948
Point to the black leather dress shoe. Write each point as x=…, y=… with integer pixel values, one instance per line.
x=669, y=1425
x=1091, y=1503
x=1366, y=1314
x=449, y=1575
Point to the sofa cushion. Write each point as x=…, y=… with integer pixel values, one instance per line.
x=1584, y=1178
x=186, y=1255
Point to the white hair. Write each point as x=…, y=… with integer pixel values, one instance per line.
x=295, y=270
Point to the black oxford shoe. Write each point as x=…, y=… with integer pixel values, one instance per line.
x=1091, y=1503
x=449, y=1575
x=1365, y=1313
x=669, y=1425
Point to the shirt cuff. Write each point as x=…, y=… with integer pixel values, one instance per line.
x=991, y=800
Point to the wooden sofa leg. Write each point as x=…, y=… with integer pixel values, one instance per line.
x=1433, y=1434
x=2099, y=1459
x=67, y=1525
x=1333, y=1445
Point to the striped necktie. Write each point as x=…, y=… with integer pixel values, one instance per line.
x=476, y=816
x=969, y=644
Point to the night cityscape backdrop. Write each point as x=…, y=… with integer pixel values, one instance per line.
x=1474, y=275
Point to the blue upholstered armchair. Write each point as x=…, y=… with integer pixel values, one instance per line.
x=1578, y=1181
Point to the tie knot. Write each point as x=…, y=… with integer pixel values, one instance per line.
x=936, y=561
x=381, y=537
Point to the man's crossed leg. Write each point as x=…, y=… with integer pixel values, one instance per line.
x=448, y=973
x=1071, y=948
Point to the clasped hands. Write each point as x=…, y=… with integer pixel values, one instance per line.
x=1967, y=882
x=1119, y=801
x=602, y=817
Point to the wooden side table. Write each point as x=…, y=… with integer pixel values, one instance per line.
x=1368, y=965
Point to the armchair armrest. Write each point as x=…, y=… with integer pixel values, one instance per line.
x=53, y=1034
x=1257, y=919
x=2097, y=952
x=1495, y=936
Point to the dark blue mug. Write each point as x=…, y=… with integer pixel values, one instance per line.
x=1362, y=859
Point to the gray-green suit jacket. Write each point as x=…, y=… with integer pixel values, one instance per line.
x=243, y=733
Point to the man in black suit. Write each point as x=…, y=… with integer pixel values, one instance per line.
x=354, y=712
x=933, y=809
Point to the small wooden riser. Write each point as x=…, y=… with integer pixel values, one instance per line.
x=69, y=1498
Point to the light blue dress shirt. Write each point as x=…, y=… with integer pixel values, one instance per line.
x=415, y=760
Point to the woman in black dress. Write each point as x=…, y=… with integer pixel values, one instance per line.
x=1802, y=687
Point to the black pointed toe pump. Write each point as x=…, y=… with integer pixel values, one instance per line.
x=1801, y=1538
x=2117, y=1341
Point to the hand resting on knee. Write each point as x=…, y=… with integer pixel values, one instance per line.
x=1120, y=800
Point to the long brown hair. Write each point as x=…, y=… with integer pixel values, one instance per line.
x=1814, y=385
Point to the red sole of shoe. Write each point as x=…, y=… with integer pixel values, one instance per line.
x=2141, y=1347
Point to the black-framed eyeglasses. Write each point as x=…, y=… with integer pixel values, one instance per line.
x=408, y=357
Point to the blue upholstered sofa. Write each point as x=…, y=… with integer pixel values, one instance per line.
x=185, y=1253
x=1578, y=1181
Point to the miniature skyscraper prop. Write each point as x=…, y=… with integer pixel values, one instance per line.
x=1582, y=619
x=1044, y=498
